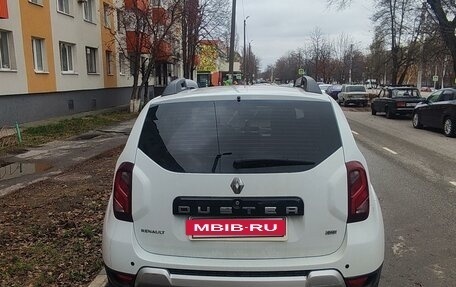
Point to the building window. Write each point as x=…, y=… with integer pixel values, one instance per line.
x=38, y=2
x=109, y=62
x=106, y=13
x=39, y=55
x=88, y=10
x=121, y=64
x=66, y=57
x=63, y=6
x=6, y=50
x=119, y=19
x=91, y=57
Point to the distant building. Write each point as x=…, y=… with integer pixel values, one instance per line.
x=213, y=67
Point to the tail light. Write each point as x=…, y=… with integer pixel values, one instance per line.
x=122, y=192
x=120, y=279
x=400, y=104
x=358, y=192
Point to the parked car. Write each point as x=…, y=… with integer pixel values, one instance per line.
x=334, y=91
x=353, y=94
x=324, y=87
x=395, y=101
x=242, y=186
x=437, y=111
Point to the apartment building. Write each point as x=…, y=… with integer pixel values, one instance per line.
x=59, y=57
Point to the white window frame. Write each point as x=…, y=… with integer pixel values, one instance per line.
x=63, y=5
x=109, y=63
x=122, y=64
x=39, y=55
x=91, y=60
x=106, y=15
x=36, y=2
x=88, y=11
x=67, y=57
x=7, y=51
x=120, y=19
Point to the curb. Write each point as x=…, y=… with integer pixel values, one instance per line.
x=99, y=281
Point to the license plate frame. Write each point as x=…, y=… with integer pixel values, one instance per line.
x=279, y=235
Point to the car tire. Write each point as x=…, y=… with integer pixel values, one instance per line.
x=416, y=122
x=389, y=114
x=449, y=127
x=374, y=112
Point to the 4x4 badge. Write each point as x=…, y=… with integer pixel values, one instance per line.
x=237, y=185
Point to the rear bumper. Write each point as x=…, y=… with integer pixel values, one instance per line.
x=156, y=277
x=404, y=111
x=313, y=279
x=356, y=101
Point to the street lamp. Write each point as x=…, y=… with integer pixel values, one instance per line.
x=244, y=55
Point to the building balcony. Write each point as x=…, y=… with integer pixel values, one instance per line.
x=3, y=9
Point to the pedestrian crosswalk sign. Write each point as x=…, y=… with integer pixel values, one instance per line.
x=301, y=72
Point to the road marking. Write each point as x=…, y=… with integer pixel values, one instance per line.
x=355, y=133
x=453, y=183
x=389, y=150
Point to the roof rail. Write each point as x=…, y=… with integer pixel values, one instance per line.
x=178, y=86
x=308, y=84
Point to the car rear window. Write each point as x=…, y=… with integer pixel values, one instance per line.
x=250, y=136
x=356, y=89
x=404, y=93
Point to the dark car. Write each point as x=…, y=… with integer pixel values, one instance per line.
x=438, y=111
x=333, y=91
x=395, y=101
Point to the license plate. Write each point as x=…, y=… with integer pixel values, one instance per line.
x=411, y=104
x=236, y=228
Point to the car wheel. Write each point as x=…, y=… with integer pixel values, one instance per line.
x=449, y=127
x=389, y=114
x=416, y=121
x=374, y=112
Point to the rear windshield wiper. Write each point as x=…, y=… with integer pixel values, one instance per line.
x=256, y=163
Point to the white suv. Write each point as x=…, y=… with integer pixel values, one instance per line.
x=243, y=186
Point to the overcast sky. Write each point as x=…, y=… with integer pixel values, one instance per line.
x=278, y=26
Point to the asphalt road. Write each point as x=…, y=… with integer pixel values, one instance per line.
x=414, y=175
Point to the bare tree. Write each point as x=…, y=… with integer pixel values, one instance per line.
x=145, y=36
x=443, y=10
x=202, y=20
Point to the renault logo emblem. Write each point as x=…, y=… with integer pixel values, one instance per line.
x=237, y=185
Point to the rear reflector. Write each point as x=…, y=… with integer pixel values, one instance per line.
x=122, y=192
x=358, y=192
x=357, y=282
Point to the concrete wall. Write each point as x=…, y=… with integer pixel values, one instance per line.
x=28, y=108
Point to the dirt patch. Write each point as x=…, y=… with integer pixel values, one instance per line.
x=50, y=232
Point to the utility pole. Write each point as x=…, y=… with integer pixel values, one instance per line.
x=248, y=62
x=244, y=55
x=351, y=65
x=233, y=32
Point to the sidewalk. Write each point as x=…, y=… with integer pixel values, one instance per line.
x=38, y=164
